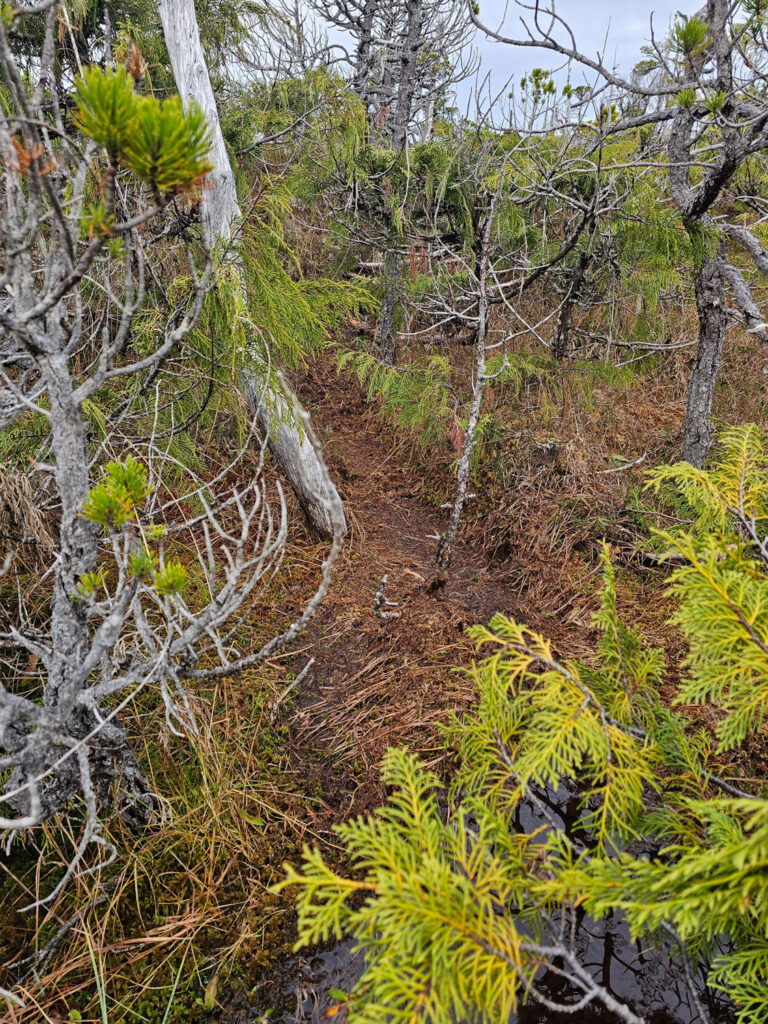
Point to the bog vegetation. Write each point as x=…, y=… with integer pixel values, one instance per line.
x=383, y=514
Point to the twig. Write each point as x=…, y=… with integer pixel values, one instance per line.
x=380, y=601
x=627, y=465
x=275, y=704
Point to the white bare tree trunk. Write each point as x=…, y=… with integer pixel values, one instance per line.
x=290, y=447
x=445, y=547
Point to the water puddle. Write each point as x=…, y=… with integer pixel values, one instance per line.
x=650, y=982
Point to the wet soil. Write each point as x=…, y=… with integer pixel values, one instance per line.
x=649, y=983
x=378, y=682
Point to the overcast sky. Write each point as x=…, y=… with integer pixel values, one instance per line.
x=624, y=23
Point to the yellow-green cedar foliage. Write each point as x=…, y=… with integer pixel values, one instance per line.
x=451, y=900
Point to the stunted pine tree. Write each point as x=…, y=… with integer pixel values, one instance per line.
x=94, y=339
x=491, y=215
x=702, y=90
x=406, y=58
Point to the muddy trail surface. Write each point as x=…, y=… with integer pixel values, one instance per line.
x=379, y=682
x=382, y=680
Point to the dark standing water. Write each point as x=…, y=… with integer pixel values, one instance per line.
x=652, y=985
x=650, y=982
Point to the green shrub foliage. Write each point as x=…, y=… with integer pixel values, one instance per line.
x=453, y=903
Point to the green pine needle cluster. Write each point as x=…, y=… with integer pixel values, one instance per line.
x=114, y=501
x=160, y=143
x=114, y=504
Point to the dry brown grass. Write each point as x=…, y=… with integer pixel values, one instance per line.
x=193, y=888
x=21, y=523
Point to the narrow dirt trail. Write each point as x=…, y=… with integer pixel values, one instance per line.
x=382, y=682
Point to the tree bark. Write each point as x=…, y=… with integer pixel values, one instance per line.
x=444, y=552
x=401, y=117
x=362, y=74
x=694, y=205
x=390, y=302
x=116, y=775
x=561, y=345
x=409, y=70
x=710, y=304
x=290, y=447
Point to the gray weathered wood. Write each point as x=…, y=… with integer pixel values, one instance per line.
x=289, y=445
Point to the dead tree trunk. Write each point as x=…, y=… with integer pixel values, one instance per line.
x=561, y=345
x=694, y=205
x=710, y=304
x=408, y=72
x=116, y=775
x=290, y=447
x=363, y=52
x=445, y=546
x=390, y=303
x=407, y=82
